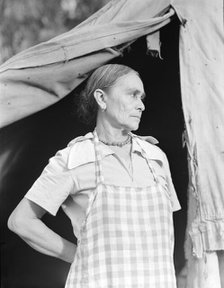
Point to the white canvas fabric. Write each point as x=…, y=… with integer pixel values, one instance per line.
x=202, y=91
x=202, y=87
x=46, y=73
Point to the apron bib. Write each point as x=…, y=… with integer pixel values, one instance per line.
x=127, y=238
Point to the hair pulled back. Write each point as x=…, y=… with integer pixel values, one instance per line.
x=102, y=78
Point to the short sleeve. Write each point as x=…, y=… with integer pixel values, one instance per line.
x=54, y=184
x=175, y=201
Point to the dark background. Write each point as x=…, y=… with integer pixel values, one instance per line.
x=27, y=145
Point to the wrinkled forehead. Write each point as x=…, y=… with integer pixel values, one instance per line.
x=130, y=80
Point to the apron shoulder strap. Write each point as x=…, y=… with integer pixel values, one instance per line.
x=145, y=155
x=98, y=162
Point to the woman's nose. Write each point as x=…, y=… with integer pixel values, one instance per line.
x=141, y=105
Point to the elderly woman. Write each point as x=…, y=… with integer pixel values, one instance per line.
x=117, y=190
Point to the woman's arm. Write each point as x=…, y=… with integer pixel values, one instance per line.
x=25, y=221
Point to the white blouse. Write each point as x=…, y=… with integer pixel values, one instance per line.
x=71, y=172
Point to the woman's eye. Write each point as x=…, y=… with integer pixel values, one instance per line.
x=136, y=95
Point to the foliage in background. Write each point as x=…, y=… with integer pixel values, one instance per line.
x=25, y=23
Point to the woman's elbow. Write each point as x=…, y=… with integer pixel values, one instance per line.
x=25, y=218
x=15, y=223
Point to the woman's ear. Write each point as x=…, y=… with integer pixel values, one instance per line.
x=100, y=98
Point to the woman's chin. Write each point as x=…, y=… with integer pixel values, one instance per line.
x=132, y=128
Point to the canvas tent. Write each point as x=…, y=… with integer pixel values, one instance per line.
x=42, y=75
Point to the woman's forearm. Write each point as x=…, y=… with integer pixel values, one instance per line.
x=26, y=222
x=44, y=240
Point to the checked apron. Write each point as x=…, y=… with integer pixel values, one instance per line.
x=126, y=239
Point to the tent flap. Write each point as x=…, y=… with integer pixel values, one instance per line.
x=153, y=44
x=202, y=87
x=42, y=75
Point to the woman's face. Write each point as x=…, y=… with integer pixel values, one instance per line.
x=124, y=104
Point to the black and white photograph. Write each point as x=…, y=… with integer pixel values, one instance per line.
x=112, y=144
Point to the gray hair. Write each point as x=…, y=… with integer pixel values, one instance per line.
x=103, y=78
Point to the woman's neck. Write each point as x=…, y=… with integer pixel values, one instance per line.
x=108, y=133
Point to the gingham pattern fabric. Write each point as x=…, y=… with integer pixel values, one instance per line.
x=127, y=237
